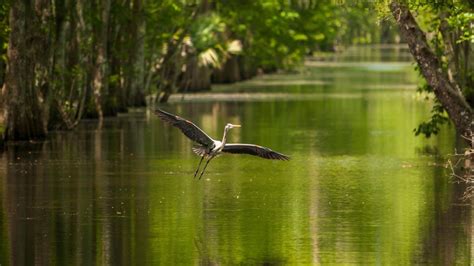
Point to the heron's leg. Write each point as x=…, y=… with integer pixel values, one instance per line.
x=204, y=169
x=199, y=166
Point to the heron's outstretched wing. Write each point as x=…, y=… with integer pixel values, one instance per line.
x=187, y=127
x=256, y=150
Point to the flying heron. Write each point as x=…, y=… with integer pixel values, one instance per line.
x=209, y=148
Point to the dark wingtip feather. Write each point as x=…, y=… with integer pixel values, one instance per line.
x=158, y=111
x=161, y=113
x=165, y=116
x=188, y=128
x=255, y=150
x=282, y=157
x=273, y=155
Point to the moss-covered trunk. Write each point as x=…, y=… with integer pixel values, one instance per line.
x=26, y=82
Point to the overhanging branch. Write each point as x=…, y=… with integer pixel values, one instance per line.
x=452, y=99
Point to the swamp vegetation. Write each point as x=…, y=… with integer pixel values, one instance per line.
x=88, y=174
x=67, y=60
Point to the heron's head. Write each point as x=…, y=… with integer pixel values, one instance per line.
x=229, y=126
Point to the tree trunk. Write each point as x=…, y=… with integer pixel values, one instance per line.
x=24, y=77
x=99, y=80
x=150, y=69
x=117, y=97
x=196, y=77
x=83, y=59
x=446, y=92
x=164, y=96
x=137, y=56
x=59, y=73
x=229, y=73
x=170, y=70
x=2, y=72
x=247, y=68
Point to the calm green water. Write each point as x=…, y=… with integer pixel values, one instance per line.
x=360, y=188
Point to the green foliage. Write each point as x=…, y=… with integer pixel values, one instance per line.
x=463, y=20
x=166, y=18
x=208, y=40
x=448, y=25
x=207, y=32
x=276, y=33
x=270, y=34
x=4, y=30
x=433, y=126
x=154, y=42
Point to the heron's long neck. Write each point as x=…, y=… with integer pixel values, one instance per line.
x=225, y=136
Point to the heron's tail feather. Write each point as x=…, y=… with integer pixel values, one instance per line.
x=199, y=150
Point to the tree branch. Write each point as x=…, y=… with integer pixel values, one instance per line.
x=452, y=99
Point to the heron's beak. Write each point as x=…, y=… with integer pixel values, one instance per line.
x=237, y=125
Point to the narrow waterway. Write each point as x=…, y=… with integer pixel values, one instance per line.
x=360, y=187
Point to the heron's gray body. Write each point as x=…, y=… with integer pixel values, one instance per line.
x=209, y=148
